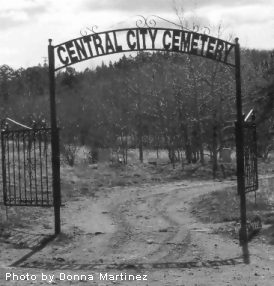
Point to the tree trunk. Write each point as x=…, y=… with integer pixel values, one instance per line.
x=202, y=155
x=140, y=143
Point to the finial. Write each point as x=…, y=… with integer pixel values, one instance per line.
x=50, y=41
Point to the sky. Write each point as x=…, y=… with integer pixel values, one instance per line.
x=26, y=25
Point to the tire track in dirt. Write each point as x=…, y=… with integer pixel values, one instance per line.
x=180, y=241
x=157, y=244
x=148, y=225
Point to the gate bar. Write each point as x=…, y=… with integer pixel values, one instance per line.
x=248, y=115
x=54, y=142
x=4, y=179
x=17, y=123
x=240, y=154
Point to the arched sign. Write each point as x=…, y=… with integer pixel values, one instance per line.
x=146, y=37
x=143, y=39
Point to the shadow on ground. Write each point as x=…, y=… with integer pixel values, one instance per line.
x=134, y=266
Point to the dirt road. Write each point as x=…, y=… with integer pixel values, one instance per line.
x=140, y=236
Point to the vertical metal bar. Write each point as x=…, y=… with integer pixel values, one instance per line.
x=41, y=165
x=4, y=168
x=8, y=164
x=13, y=168
x=54, y=141
x=24, y=165
x=35, y=166
x=240, y=154
x=47, y=174
x=19, y=166
x=255, y=150
x=29, y=162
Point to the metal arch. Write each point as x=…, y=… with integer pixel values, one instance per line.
x=145, y=37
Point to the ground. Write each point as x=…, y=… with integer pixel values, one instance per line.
x=148, y=230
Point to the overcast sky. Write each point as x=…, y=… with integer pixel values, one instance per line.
x=26, y=25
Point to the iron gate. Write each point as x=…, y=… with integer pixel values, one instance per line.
x=250, y=154
x=27, y=167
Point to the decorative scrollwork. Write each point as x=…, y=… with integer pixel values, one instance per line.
x=93, y=28
x=150, y=22
x=206, y=30
x=86, y=31
x=143, y=22
x=199, y=29
x=83, y=33
x=168, y=21
x=195, y=28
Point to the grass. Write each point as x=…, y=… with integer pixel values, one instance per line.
x=26, y=218
x=85, y=179
x=224, y=207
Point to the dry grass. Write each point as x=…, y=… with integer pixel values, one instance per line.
x=224, y=207
x=84, y=179
x=87, y=179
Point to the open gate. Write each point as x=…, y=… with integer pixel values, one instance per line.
x=26, y=167
x=250, y=153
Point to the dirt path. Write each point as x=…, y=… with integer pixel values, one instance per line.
x=146, y=231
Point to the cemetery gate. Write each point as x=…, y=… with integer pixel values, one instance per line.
x=26, y=167
x=144, y=36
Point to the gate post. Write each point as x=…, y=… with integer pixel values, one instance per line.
x=4, y=183
x=54, y=142
x=240, y=154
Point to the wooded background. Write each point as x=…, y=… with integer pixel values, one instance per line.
x=180, y=103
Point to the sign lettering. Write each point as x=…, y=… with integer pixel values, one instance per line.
x=140, y=39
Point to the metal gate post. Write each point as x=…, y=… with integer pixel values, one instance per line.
x=54, y=142
x=240, y=154
x=3, y=168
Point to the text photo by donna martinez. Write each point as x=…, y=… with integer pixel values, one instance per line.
x=51, y=278
x=141, y=171
x=143, y=39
